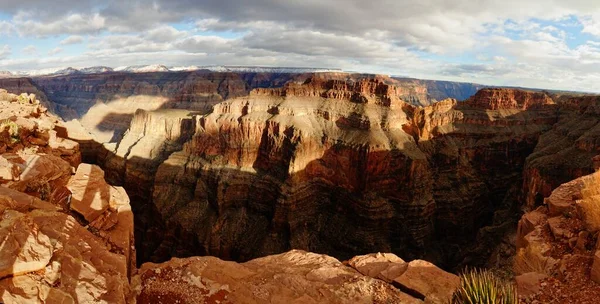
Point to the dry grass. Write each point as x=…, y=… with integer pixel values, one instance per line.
x=590, y=202
x=531, y=259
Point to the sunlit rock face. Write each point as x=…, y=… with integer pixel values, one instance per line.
x=304, y=158
x=294, y=277
x=66, y=235
x=302, y=165
x=106, y=103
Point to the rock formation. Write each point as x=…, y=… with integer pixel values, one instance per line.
x=292, y=277
x=67, y=235
x=558, y=257
x=328, y=156
x=65, y=239
x=105, y=103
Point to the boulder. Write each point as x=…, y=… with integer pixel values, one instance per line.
x=425, y=281
x=91, y=194
x=48, y=257
x=529, y=283
x=292, y=277
x=383, y=266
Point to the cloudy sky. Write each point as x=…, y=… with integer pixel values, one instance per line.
x=534, y=43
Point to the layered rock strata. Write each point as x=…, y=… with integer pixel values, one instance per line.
x=303, y=164
x=67, y=237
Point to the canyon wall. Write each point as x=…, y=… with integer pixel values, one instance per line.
x=304, y=159
x=105, y=103
x=67, y=235
x=335, y=166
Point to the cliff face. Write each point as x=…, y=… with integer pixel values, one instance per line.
x=303, y=158
x=303, y=164
x=66, y=238
x=558, y=256
x=67, y=235
x=565, y=152
x=105, y=103
x=439, y=90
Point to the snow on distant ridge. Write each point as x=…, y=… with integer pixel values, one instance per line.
x=258, y=69
x=143, y=68
x=96, y=70
x=162, y=68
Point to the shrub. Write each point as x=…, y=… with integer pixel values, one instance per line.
x=483, y=287
x=590, y=202
x=13, y=129
x=531, y=259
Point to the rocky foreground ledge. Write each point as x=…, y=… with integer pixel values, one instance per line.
x=66, y=236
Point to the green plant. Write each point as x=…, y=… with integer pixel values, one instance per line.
x=483, y=287
x=13, y=129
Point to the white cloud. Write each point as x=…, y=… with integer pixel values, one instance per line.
x=30, y=50
x=55, y=51
x=70, y=24
x=5, y=51
x=498, y=42
x=73, y=39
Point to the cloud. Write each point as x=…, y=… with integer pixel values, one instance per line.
x=6, y=28
x=70, y=24
x=73, y=39
x=537, y=42
x=55, y=51
x=5, y=51
x=30, y=50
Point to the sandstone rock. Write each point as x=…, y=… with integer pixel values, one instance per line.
x=427, y=282
x=529, y=283
x=556, y=227
x=582, y=240
x=91, y=194
x=36, y=174
x=383, y=266
x=495, y=99
x=527, y=224
x=595, y=271
x=105, y=207
x=67, y=253
x=292, y=277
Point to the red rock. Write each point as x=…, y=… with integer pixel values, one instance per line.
x=529, y=283
x=527, y=224
x=595, y=271
x=556, y=227
x=495, y=99
x=428, y=282
x=292, y=277
x=384, y=266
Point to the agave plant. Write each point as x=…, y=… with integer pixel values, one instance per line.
x=483, y=287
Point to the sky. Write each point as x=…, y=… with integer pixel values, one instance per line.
x=551, y=44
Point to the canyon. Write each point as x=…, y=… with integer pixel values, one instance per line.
x=264, y=168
